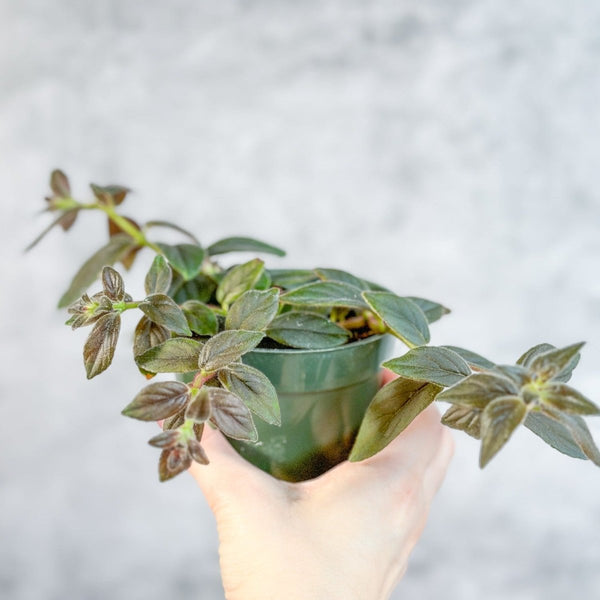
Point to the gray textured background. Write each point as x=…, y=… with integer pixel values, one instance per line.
x=447, y=148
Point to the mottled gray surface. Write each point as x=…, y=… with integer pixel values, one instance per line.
x=447, y=148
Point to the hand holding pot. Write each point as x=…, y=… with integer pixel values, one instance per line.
x=346, y=534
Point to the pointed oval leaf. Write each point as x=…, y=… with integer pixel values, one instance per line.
x=291, y=278
x=177, y=355
x=306, y=330
x=99, y=348
x=198, y=409
x=554, y=434
x=147, y=335
x=165, y=439
x=474, y=360
x=428, y=363
x=59, y=184
x=498, y=421
x=255, y=390
x=200, y=288
x=326, y=294
x=527, y=357
x=159, y=276
x=113, y=285
x=402, y=316
x=201, y=319
x=553, y=362
x=253, y=310
x=163, y=310
x=172, y=462
x=231, y=416
x=464, y=418
x=478, y=390
x=520, y=375
x=563, y=397
x=157, y=401
x=341, y=276
x=432, y=310
x=238, y=280
x=109, y=254
x=109, y=194
x=227, y=347
x=186, y=259
x=243, y=244
x=391, y=411
x=197, y=452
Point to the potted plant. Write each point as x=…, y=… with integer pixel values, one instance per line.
x=285, y=362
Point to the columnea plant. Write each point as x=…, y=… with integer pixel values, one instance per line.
x=200, y=319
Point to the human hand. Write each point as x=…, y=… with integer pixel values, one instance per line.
x=346, y=534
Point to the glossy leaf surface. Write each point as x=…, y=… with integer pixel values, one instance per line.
x=227, y=347
x=306, y=330
x=186, y=259
x=163, y=310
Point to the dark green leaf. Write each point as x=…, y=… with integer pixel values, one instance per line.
x=391, y=411
x=175, y=227
x=174, y=422
x=201, y=319
x=99, y=348
x=110, y=194
x=231, y=416
x=253, y=310
x=89, y=272
x=291, y=278
x=147, y=335
x=161, y=309
x=428, y=363
x=563, y=397
x=433, y=311
x=478, y=390
x=172, y=462
x=200, y=288
x=552, y=362
x=186, y=259
x=402, y=316
x=243, y=244
x=157, y=401
x=198, y=409
x=554, y=433
x=238, y=280
x=165, y=439
x=464, y=418
x=474, y=360
x=113, y=285
x=59, y=184
x=159, y=276
x=197, y=452
x=255, y=390
x=306, y=330
x=177, y=355
x=264, y=281
x=325, y=293
x=227, y=347
x=341, y=276
x=498, y=421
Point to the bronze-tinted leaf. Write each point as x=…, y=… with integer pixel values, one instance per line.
x=159, y=276
x=402, y=316
x=163, y=310
x=231, y=416
x=553, y=362
x=128, y=258
x=563, y=397
x=243, y=244
x=253, y=310
x=498, y=421
x=173, y=461
x=201, y=319
x=254, y=388
x=227, y=347
x=110, y=194
x=478, y=390
x=198, y=409
x=99, y=348
x=91, y=269
x=165, y=439
x=197, y=452
x=428, y=363
x=306, y=330
x=392, y=410
x=176, y=355
x=68, y=218
x=157, y=401
x=464, y=418
x=238, y=280
x=59, y=184
x=325, y=294
x=174, y=422
x=113, y=285
x=186, y=259
x=147, y=335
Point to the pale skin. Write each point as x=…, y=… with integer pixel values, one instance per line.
x=344, y=535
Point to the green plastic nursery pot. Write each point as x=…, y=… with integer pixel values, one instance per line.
x=323, y=395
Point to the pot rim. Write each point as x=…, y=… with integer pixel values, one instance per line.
x=369, y=340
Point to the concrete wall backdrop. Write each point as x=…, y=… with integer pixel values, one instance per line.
x=446, y=148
